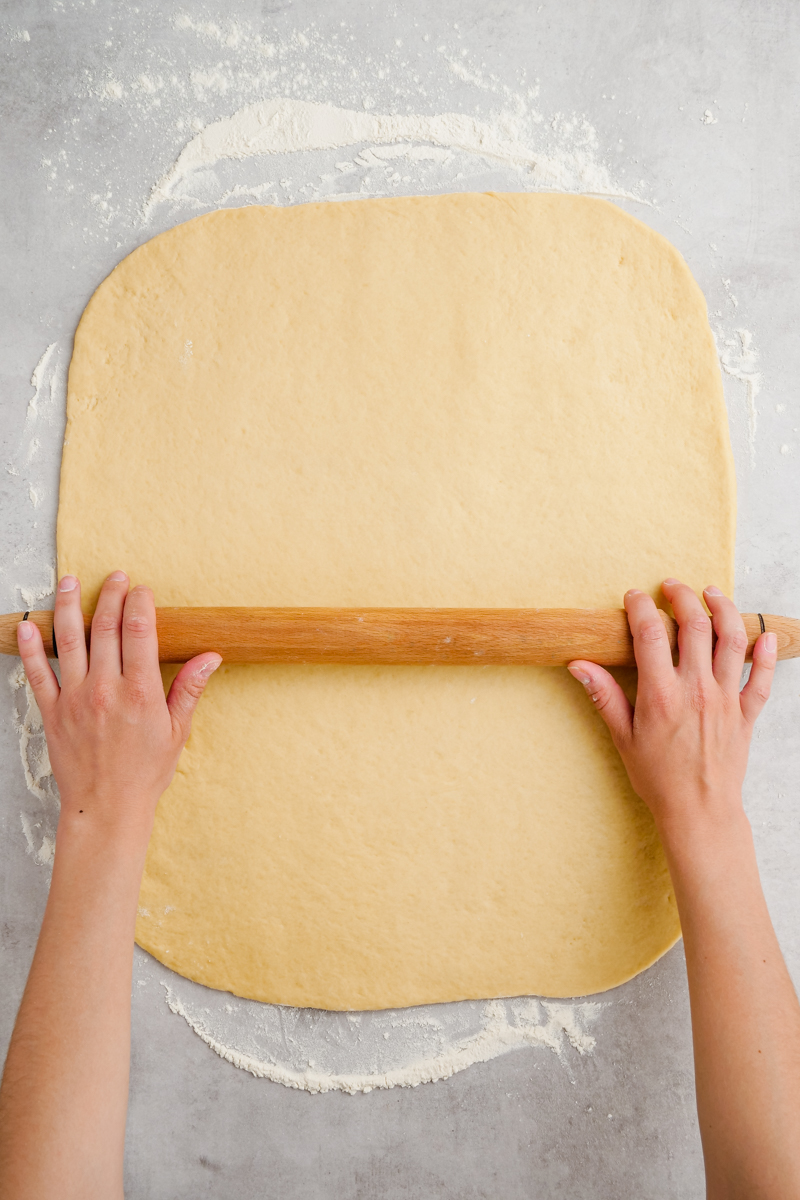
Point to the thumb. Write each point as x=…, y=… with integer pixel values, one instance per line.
x=607, y=697
x=187, y=688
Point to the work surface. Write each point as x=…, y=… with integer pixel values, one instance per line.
x=682, y=114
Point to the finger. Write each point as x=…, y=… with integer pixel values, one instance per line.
x=607, y=697
x=44, y=684
x=187, y=688
x=70, y=632
x=139, y=637
x=731, y=644
x=105, y=653
x=650, y=641
x=694, y=628
x=755, y=693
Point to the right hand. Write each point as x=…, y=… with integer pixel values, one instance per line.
x=686, y=741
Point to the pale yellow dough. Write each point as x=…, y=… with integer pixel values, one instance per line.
x=445, y=400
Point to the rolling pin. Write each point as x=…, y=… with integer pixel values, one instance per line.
x=404, y=636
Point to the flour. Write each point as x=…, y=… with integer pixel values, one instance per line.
x=38, y=380
x=359, y=1052
x=31, y=596
x=39, y=829
x=287, y=126
x=44, y=852
x=214, y=73
x=30, y=576
x=738, y=357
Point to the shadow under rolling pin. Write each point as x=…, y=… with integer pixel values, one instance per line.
x=405, y=636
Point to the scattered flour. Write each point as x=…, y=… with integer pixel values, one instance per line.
x=39, y=829
x=288, y=126
x=32, y=744
x=28, y=577
x=38, y=380
x=32, y=595
x=359, y=1052
x=738, y=357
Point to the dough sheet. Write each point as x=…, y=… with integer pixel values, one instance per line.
x=489, y=400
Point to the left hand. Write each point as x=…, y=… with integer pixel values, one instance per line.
x=113, y=738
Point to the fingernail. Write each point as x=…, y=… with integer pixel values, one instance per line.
x=208, y=668
x=770, y=642
x=670, y=582
x=634, y=592
x=25, y=631
x=68, y=583
x=117, y=577
x=581, y=676
x=712, y=591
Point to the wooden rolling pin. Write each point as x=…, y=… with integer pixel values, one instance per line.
x=404, y=636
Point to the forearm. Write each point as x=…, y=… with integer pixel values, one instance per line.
x=114, y=742
x=65, y=1085
x=745, y=1014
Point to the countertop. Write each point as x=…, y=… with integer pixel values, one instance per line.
x=686, y=111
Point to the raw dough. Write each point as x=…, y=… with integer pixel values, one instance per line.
x=455, y=400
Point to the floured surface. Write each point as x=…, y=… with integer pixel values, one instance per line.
x=469, y=400
x=314, y=1051
x=289, y=126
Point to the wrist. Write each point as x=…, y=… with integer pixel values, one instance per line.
x=707, y=836
x=87, y=829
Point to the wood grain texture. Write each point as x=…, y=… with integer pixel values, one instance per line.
x=404, y=636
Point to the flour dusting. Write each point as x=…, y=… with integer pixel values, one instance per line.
x=288, y=126
x=30, y=575
x=39, y=829
x=38, y=379
x=738, y=357
x=359, y=1052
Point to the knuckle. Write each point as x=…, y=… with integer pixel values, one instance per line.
x=699, y=623
x=736, y=640
x=36, y=675
x=137, y=625
x=660, y=701
x=194, y=687
x=651, y=632
x=68, y=641
x=105, y=625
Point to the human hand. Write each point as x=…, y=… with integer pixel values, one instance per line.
x=113, y=738
x=686, y=742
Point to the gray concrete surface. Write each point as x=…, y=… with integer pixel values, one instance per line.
x=77, y=159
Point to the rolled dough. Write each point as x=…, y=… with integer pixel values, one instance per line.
x=444, y=400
